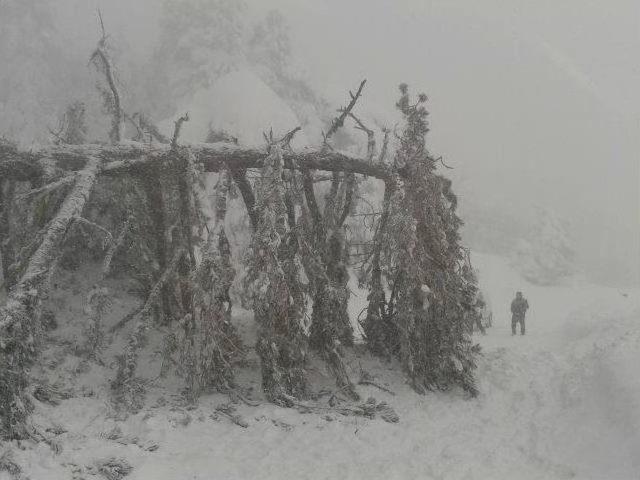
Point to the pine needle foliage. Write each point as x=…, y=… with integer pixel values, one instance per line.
x=275, y=289
x=423, y=320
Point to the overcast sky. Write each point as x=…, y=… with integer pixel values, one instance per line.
x=531, y=102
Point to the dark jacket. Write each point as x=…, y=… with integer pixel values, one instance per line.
x=519, y=307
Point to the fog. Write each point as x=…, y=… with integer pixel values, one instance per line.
x=533, y=104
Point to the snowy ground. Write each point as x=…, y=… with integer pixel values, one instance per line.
x=561, y=402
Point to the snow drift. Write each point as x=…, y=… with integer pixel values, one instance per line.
x=560, y=402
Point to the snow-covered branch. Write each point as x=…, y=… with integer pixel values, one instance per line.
x=133, y=157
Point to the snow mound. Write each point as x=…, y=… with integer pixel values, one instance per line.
x=241, y=104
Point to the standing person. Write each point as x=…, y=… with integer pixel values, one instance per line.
x=519, y=307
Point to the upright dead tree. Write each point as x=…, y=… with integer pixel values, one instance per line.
x=326, y=255
x=112, y=101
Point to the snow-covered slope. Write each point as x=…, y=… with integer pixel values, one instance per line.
x=572, y=381
x=561, y=402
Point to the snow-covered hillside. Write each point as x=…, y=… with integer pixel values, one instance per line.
x=561, y=402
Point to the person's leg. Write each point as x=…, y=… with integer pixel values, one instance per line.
x=514, y=321
x=522, y=326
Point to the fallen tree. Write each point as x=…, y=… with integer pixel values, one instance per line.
x=135, y=157
x=300, y=250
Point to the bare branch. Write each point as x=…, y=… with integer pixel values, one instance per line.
x=104, y=33
x=269, y=138
x=385, y=145
x=57, y=135
x=240, y=177
x=377, y=385
x=140, y=132
x=370, y=214
x=286, y=140
x=322, y=178
x=95, y=226
x=135, y=157
x=330, y=198
x=127, y=367
x=371, y=141
x=49, y=187
x=150, y=128
x=124, y=320
x=338, y=122
x=113, y=248
x=444, y=164
x=310, y=196
x=176, y=131
x=215, y=157
x=99, y=56
x=348, y=198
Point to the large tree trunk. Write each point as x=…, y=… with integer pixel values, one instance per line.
x=135, y=157
x=152, y=186
x=330, y=325
x=19, y=319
